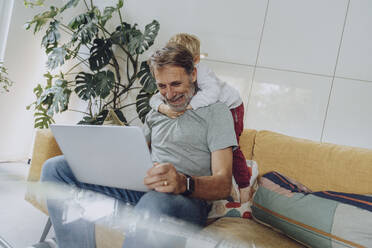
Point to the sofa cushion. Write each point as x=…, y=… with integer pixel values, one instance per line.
x=318, y=219
x=232, y=207
x=320, y=166
x=247, y=139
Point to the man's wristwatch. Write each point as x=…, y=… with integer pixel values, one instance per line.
x=190, y=185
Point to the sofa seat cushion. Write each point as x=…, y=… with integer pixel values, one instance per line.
x=247, y=233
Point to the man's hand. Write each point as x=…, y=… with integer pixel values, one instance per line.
x=164, y=178
x=165, y=109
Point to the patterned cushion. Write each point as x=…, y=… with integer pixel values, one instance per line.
x=317, y=219
x=232, y=207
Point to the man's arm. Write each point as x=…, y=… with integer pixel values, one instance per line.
x=217, y=186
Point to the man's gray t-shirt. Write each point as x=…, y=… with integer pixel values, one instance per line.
x=187, y=141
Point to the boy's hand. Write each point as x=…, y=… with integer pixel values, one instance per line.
x=189, y=107
x=165, y=109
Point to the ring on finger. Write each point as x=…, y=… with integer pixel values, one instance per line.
x=165, y=183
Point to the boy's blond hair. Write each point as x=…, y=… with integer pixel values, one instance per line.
x=191, y=42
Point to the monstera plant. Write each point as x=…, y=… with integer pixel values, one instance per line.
x=97, y=64
x=5, y=82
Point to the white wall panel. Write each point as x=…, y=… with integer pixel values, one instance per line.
x=303, y=35
x=355, y=59
x=288, y=102
x=229, y=31
x=238, y=76
x=349, y=118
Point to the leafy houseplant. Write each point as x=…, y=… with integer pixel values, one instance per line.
x=5, y=82
x=102, y=83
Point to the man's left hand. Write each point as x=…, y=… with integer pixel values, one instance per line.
x=164, y=178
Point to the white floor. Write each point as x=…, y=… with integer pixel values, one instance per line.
x=21, y=224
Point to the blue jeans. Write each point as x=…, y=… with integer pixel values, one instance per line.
x=80, y=233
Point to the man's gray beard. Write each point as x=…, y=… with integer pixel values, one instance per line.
x=188, y=99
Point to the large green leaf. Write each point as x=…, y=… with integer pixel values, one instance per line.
x=142, y=104
x=56, y=97
x=105, y=81
x=107, y=14
x=133, y=39
x=33, y=3
x=85, y=26
x=146, y=79
x=142, y=42
x=100, y=54
x=42, y=119
x=52, y=35
x=56, y=57
x=85, y=85
x=5, y=82
x=124, y=33
x=40, y=20
x=69, y=4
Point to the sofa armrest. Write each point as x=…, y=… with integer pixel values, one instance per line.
x=45, y=147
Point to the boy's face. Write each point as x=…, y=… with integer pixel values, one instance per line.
x=176, y=86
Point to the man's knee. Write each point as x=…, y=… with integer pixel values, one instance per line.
x=161, y=204
x=158, y=203
x=51, y=168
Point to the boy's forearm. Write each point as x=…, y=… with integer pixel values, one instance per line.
x=155, y=101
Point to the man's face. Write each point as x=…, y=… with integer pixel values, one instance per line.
x=176, y=86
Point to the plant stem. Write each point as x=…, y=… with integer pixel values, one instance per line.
x=132, y=120
x=117, y=73
x=130, y=104
x=86, y=5
x=78, y=111
x=66, y=27
x=75, y=66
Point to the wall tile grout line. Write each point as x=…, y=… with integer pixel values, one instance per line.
x=355, y=79
x=257, y=56
x=294, y=71
x=287, y=70
x=334, y=71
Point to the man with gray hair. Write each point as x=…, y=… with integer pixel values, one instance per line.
x=192, y=157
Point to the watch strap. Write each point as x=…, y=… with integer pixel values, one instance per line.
x=190, y=185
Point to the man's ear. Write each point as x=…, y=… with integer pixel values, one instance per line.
x=194, y=75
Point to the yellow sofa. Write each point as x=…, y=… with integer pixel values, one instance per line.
x=319, y=166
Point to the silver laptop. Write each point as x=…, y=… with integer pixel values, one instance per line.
x=114, y=156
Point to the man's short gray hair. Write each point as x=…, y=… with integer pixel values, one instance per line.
x=174, y=55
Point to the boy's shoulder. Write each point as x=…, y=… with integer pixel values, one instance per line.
x=203, y=67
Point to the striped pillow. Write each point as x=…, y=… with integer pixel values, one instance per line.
x=317, y=219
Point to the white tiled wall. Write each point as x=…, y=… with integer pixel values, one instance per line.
x=303, y=35
x=288, y=102
x=356, y=50
x=299, y=64
x=349, y=118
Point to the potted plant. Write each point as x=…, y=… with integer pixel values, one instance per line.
x=5, y=82
x=95, y=76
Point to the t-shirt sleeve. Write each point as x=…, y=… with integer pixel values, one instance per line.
x=221, y=132
x=147, y=127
